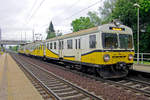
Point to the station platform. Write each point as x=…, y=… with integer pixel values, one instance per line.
x=14, y=85
x=141, y=68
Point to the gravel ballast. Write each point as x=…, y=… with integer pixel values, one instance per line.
x=106, y=91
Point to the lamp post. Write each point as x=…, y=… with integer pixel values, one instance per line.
x=137, y=6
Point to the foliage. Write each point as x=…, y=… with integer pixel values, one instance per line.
x=50, y=31
x=14, y=48
x=107, y=10
x=127, y=13
x=81, y=23
x=95, y=19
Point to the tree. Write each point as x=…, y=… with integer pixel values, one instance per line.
x=107, y=10
x=50, y=31
x=81, y=23
x=95, y=19
x=127, y=13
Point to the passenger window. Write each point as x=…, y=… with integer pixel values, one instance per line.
x=79, y=43
x=76, y=44
x=54, y=45
x=51, y=45
x=62, y=44
x=92, y=41
x=69, y=44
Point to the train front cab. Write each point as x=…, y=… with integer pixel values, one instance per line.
x=118, y=52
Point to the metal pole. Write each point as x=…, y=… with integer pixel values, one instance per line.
x=138, y=36
x=33, y=35
x=25, y=36
x=21, y=36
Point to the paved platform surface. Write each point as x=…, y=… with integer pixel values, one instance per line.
x=14, y=85
x=141, y=68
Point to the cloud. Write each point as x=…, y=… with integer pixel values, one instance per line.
x=15, y=15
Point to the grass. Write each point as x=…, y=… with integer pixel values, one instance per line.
x=144, y=62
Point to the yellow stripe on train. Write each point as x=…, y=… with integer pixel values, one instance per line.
x=115, y=57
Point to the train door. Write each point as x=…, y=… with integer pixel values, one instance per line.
x=78, y=49
x=61, y=47
x=44, y=49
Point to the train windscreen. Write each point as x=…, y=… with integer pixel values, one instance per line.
x=110, y=40
x=125, y=41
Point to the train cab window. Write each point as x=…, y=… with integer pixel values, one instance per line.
x=110, y=40
x=54, y=45
x=125, y=41
x=69, y=44
x=92, y=41
x=51, y=45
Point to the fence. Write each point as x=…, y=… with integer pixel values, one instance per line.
x=144, y=58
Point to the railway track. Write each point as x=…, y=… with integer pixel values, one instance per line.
x=52, y=86
x=137, y=86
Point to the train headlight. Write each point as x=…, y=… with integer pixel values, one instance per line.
x=130, y=57
x=106, y=58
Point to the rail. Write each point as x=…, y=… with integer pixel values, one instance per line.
x=144, y=58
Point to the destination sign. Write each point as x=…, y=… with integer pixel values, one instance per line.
x=117, y=29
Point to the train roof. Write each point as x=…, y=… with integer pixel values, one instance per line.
x=103, y=28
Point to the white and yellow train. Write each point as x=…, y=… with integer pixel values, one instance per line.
x=107, y=50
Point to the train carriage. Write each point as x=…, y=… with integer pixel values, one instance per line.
x=108, y=49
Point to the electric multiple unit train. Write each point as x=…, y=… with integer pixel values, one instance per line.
x=107, y=50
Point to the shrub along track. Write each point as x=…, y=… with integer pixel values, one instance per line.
x=109, y=90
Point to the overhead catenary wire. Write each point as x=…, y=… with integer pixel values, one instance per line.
x=78, y=11
x=70, y=7
x=35, y=11
x=33, y=6
x=82, y=10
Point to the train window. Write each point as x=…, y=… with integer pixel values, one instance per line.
x=76, y=43
x=51, y=45
x=125, y=41
x=79, y=43
x=59, y=45
x=92, y=41
x=47, y=45
x=54, y=45
x=110, y=40
x=62, y=44
x=69, y=44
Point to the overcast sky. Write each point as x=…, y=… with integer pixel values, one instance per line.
x=22, y=16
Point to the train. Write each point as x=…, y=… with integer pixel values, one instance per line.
x=2, y=50
x=106, y=50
